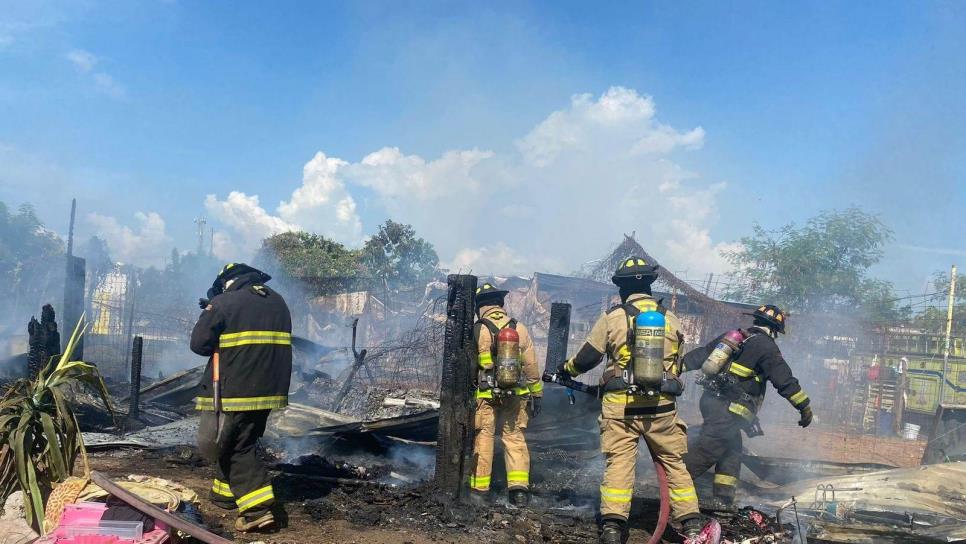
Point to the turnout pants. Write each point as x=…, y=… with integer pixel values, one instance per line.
x=240, y=478
x=509, y=414
x=666, y=437
x=718, y=445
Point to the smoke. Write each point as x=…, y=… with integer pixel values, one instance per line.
x=146, y=244
x=586, y=173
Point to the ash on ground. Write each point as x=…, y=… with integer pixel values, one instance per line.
x=429, y=510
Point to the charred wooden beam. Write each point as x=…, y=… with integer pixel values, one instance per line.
x=74, y=301
x=558, y=335
x=456, y=386
x=44, y=340
x=137, y=352
x=358, y=360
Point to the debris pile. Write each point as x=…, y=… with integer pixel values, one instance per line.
x=427, y=509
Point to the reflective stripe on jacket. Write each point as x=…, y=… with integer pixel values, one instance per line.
x=251, y=328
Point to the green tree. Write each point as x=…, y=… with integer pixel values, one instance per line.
x=31, y=261
x=400, y=258
x=23, y=238
x=822, y=266
x=933, y=318
x=324, y=265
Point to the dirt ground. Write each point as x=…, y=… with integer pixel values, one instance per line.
x=318, y=513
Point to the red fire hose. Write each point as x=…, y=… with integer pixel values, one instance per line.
x=665, y=511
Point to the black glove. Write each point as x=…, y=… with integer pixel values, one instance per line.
x=806, y=417
x=562, y=370
x=534, y=406
x=203, y=303
x=672, y=385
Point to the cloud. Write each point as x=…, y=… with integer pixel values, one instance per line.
x=85, y=62
x=394, y=175
x=320, y=204
x=244, y=215
x=82, y=60
x=146, y=244
x=562, y=195
x=620, y=115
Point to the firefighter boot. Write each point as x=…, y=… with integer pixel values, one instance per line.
x=691, y=528
x=479, y=499
x=613, y=531
x=724, y=505
x=520, y=498
x=255, y=521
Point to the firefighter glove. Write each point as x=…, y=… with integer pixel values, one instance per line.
x=806, y=417
x=203, y=303
x=534, y=406
x=562, y=370
x=672, y=385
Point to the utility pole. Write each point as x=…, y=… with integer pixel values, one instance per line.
x=949, y=331
x=201, y=222
x=707, y=288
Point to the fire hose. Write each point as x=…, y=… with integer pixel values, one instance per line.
x=665, y=510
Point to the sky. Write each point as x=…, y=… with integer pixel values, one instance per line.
x=516, y=137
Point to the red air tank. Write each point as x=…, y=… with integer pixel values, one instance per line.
x=508, y=358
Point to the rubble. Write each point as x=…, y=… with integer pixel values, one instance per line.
x=425, y=508
x=922, y=504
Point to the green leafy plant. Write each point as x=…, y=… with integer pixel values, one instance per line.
x=39, y=435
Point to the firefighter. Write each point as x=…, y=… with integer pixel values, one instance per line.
x=509, y=391
x=246, y=329
x=628, y=413
x=733, y=392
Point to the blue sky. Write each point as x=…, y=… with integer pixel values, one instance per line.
x=543, y=130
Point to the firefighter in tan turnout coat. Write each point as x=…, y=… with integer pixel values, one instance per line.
x=627, y=415
x=509, y=390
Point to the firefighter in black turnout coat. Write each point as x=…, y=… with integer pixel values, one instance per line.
x=246, y=331
x=733, y=395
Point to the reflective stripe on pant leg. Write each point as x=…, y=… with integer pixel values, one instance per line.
x=514, y=419
x=222, y=489
x=250, y=482
x=667, y=438
x=618, y=442
x=484, y=424
x=255, y=498
x=727, y=470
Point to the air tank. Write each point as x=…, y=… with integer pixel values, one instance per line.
x=648, y=360
x=508, y=366
x=723, y=352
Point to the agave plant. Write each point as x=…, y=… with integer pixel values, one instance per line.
x=39, y=435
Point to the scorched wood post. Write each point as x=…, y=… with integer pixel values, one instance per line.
x=456, y=386
x=558, y=334
x=137, y=352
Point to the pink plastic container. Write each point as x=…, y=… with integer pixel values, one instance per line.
x=90, y=513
